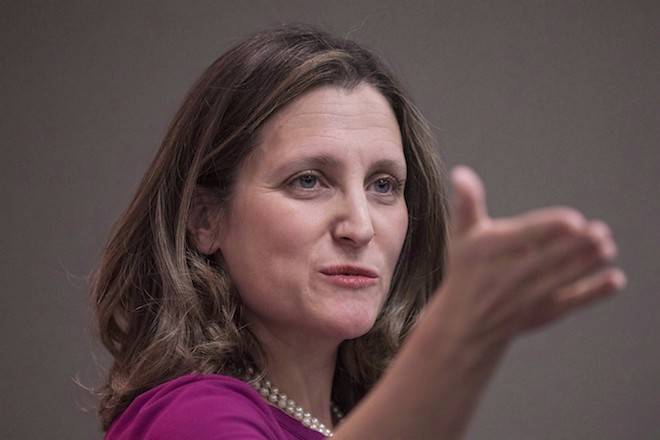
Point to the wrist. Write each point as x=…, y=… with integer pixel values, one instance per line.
x=447, y=327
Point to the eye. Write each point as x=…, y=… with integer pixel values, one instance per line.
x=383, y=185
x=305, y=181
x=387, y=185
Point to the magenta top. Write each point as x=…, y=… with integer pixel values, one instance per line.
x=205, y=407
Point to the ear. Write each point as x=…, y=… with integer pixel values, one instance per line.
x=204, y=221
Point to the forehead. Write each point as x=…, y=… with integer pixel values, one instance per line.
x=358, y=120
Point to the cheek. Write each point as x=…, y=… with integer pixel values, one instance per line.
x=270, y=223
x=396, y=225
x=285, y=231
x=269, y=244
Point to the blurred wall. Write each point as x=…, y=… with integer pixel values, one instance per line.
x=551, y=102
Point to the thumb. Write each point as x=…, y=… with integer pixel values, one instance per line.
x=469, y=199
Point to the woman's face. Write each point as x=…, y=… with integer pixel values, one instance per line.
x=317, y=218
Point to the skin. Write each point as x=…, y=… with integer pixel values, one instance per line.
x=291, y=215
x=504, y=276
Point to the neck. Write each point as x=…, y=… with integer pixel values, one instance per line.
x=301, y=368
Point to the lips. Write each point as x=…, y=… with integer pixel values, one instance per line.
x=349, y=270
x=350, y=277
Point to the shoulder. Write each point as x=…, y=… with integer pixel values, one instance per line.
x=200, y=407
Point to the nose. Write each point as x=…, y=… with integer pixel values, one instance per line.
x=353, y=225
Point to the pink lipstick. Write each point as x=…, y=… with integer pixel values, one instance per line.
x=351, y=277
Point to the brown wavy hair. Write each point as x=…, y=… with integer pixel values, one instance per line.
x=164, y=309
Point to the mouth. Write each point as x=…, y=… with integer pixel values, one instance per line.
x=352, y=277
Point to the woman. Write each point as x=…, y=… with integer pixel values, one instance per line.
x=288, y=236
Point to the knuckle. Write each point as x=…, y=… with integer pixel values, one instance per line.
x=599, y=241
x=591, y=242
x=600, y=228
x=569, y=219
x=607, y=250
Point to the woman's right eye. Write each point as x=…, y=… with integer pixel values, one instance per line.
x=305, y=181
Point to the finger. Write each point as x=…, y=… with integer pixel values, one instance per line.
x=590, y=289
x=520, y=233
x=563, y=259
x=572, y=268
x=469, y=200
x=581, y=294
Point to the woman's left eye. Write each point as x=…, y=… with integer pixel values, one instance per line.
x=385, y=185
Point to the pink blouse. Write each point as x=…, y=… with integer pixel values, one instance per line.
x=205, y=407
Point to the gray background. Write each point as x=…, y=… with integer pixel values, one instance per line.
x=551, y=102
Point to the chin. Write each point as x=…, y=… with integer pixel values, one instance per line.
x=351, y=326
x=346, y=315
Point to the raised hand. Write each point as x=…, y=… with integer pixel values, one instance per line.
x=505, y=276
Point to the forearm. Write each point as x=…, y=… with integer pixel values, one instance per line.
x=431, y=389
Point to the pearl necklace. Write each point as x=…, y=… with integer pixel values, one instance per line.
x=275, y=397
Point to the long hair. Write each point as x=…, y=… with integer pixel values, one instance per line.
x=163, y=309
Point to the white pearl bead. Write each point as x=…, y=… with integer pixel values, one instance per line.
x=272, y=394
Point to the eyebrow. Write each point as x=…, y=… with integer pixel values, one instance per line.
x=328, y=161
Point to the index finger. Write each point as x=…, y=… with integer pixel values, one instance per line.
x=522, y=232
